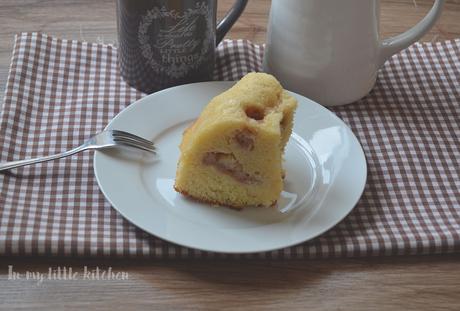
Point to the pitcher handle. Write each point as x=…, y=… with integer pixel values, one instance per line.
x=391, y=46
x=227, y=22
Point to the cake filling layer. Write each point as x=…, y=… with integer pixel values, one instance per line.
x=228, y=164
x=245, y=139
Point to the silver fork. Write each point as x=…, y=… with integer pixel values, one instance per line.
x=103, y=140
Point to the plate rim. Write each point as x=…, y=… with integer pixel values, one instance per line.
x=131, y=106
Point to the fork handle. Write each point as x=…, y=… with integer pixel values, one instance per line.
x=13, y=164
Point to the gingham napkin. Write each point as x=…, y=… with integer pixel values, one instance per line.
x=60, y=92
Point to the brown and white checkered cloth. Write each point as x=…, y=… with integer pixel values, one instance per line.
x=60, y=92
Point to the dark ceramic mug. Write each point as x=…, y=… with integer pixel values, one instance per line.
x=163, y=43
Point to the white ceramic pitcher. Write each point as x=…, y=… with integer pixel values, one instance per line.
x=329, y=50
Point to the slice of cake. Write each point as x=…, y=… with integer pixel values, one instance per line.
x=232, y=154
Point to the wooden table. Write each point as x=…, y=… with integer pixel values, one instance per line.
x=409, y=283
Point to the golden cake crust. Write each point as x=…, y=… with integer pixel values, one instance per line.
x=211, y=202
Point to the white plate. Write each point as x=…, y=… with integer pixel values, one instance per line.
x=325, y=176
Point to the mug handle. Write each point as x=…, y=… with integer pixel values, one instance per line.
x=391, y=46
x=227, y=22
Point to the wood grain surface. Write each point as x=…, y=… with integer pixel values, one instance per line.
x=397, y=283
x=391, y=283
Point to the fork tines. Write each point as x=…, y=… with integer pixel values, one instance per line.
x=133, y=140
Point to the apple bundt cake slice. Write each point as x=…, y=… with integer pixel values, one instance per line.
x=232, y=154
